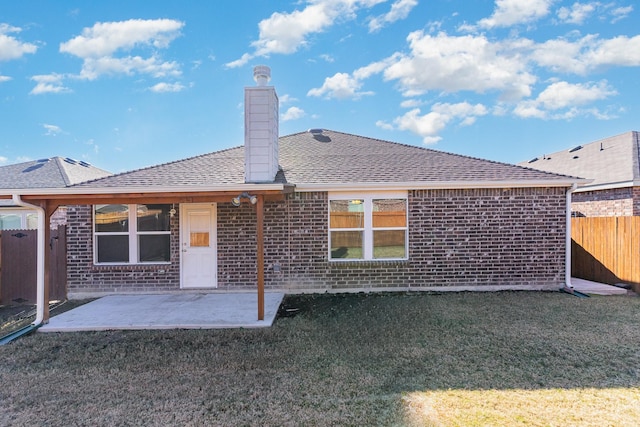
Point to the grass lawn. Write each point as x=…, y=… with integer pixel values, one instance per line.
x=453, y=359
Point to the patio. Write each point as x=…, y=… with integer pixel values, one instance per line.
x=168, y=311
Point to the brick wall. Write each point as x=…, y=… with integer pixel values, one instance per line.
x=614, y=202
x=480, y=237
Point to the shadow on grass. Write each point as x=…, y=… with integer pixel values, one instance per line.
x=334, y=360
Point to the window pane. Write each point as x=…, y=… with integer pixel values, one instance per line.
x=346, y=214
x=154, y=248
x=153, y=217
x=390, y=213
x=199, y=239
x=389, y=244
x=112, y=218
x=32, y=221
x=10, y=222
x=346, y=244
x=113, y=248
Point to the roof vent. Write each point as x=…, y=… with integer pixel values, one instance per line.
x=535, y=159
x=574, y=149
x=70, y=161
x=316, y=131
x=85, y=164
x=43, y=160
x=262, y=75
x=576, y=157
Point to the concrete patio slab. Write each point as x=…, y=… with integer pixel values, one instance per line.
x=167, y=311
x=595, y=288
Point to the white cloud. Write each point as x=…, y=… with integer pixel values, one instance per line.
x=587, y=53
x=567, y=97
x=340, y=86
x=620, y=13
x=286, y=98
x=167, y=87
x=4, y=79
x=429, y=125
x=293, y=113
x=10, y=47
x=453, y=64
x=577, y=13
x=105, y=38
x=51, y=130
x=49, y=83
x=513, y=12
x=97, y=46
x=3, y=160
x=285, y=33
x=327, y=58
x=411, y=103
x=384, y=125
x=400, y=9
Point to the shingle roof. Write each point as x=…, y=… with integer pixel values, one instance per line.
x=330, y=158
x=608, y=161
x=56, y=172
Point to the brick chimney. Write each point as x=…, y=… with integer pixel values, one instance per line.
x=260, y=129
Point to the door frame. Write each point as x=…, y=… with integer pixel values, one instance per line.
x=184, y=208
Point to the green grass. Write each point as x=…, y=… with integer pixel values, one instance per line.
x=459, y=359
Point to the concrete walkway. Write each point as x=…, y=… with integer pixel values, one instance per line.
x=595, y=288
x=167, y=311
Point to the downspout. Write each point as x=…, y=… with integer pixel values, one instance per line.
x=40, y=258
x=568, y=286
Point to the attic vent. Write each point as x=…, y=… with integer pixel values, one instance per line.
x=535, y=159
x=85, y=164
x=576, y=157
x=315, y=131
x=43, y=160
x=574, y=149
x=70, y=161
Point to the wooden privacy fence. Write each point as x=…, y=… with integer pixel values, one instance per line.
x=18, y=251
x=606, y=249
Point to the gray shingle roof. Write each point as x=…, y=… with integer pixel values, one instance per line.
x=56, y=172
x=330, y=158
x=608, y=161
x=336, y=157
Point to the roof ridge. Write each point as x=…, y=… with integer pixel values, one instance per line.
x=61, y=168
x=129, y=172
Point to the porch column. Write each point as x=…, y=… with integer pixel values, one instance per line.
x=260, y=254
x=49, y=210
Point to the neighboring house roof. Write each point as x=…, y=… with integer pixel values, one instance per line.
x=611, y=162
x=56, y=172
x=333, y=159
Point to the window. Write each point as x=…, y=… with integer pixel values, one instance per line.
x=18, y=220
x=368, y=227
x=132, y=234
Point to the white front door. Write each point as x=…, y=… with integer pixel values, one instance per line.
x=198, y=246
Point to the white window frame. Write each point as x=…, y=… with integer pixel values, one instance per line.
x=368, y=198
x=23, y=215
x=133, y=234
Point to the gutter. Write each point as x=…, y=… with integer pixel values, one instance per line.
x=568, y=286
x=40, y=259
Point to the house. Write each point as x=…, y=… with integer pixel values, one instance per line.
x=613, y=165
x=316, y=211
x=54, y=172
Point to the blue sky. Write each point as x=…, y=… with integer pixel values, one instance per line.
x=128, y=84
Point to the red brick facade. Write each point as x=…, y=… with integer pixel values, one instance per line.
x=465, y=238
x=614, y=202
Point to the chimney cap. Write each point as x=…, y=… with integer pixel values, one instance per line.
x=262, y=75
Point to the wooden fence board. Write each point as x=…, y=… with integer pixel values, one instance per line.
x=606, y=249
x=18, y=265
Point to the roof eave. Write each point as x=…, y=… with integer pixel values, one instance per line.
x=445, y=185
x=70, y=191
x=608, y=186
